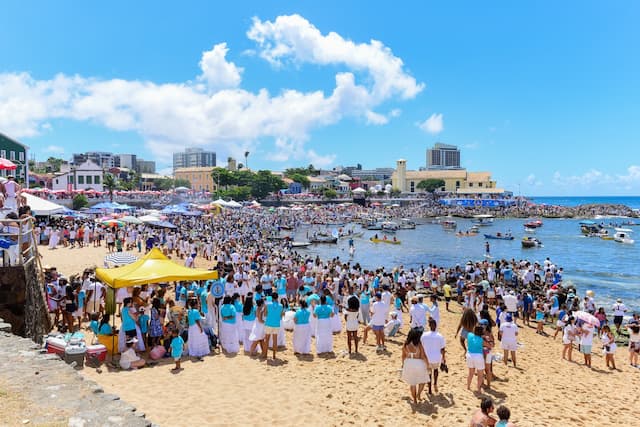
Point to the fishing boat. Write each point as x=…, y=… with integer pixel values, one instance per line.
x=407, y=224
x=590, y=228
x=449, y=224
x=499, y=236
x=390, y=227
x=300, y=244
x=373, y=225
x=623, y=236
x=533, y=224
x=327, y=239
x=531, y=242
x=390, y=241
x=483, y=219
x=351, y=235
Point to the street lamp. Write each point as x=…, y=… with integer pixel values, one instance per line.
x=246, y=160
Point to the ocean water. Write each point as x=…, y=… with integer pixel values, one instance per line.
x=608, y=268
x=630, y=201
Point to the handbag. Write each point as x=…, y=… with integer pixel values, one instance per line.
x=444, y=367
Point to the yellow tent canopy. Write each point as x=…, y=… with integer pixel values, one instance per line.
x=155, y=267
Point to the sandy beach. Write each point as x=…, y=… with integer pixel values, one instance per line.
x=365, y=389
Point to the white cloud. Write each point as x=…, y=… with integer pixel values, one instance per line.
x=533, y=181
x=213, y=111
x=376, y=119
x=395, y=112
x=433, y=124
x=587, y=179
x=54, y=149
x=216, y=71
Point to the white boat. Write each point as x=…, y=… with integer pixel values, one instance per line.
x=300, y=244
x=449, y=224
x=483, y=219
x=623, y=235
x=390, y=227
x=407, y=224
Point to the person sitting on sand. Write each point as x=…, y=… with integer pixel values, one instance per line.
x=481, y=417
x=129, y=359
x=503, y=417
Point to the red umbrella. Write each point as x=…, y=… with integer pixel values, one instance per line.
x=7, y=164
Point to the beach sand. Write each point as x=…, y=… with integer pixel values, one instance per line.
x=366, y=389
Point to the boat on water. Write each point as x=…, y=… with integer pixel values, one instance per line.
x=623, y=235
x=499, y=236
x=483, y=219
x=407, y=224
x=327, y=239
x=449, y=224
x=390, y=241
x=351, y=235
x=533, y=224
x=300, y=244
x=604, y=235
x=531, y=242
x=390, y=227
x=373, y=225
x=590, y=228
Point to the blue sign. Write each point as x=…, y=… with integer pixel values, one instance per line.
x=217, y=289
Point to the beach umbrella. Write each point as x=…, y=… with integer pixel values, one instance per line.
x=130, y=220
x=112, y=223
x=120, y=258
x=6, y=164
x=586, y=317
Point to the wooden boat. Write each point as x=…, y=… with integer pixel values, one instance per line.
x=324, y=240
x=390, y=241
x=351, y=235
x=300, y=244
x=499, y=236
x=530, y=242
x=533, y=224
x=449, y=224
x=483, y=219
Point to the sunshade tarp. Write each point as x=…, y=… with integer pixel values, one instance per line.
x=42, y=207
x=155, y=267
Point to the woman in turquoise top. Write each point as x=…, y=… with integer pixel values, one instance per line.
x=475, y=357
x=198, y=342
x=248, y=318
x=105, y=328
x=324, y=334
x=302, y=330
x=274, y=313
x=228, y=329
x=128, y=319
x=365, y=314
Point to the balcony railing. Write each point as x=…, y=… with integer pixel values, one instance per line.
x=17, y=242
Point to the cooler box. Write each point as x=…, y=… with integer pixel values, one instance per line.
x=97, y=351
x=56, y=346
x=75, y=353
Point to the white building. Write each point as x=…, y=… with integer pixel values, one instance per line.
x=78, y=177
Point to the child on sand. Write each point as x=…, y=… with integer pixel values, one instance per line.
x=503, y=417
x=568, y=336
x=177, y=347
x=609, y=346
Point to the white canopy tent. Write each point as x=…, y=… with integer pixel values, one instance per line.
x=42, y=207
x=233, y=204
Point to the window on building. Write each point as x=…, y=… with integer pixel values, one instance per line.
x=3, y=154
x=69, y=179
x=471, y=184
x=12, y=155
x=412, y=187
x=57, y=181
x=457, y=184
x=80, y=179
x=89, y=179
x=96, y=179
x=21, y=156
x=479, y=184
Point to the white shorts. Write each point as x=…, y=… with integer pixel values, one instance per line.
x=560, y=324
x=509, y=345
x=554, y=311
x=488, y=358
x=475, y=361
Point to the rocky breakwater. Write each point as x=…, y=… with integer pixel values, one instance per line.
x=41, y=389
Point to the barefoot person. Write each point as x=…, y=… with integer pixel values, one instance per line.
x=568, y=336
x=475, y=358
x=177, y=347
x=508, y=336
x=434, y=347
x=414, y=364
x=273, y=317
x=609, y=346
x=378, y=320
x=351, y=317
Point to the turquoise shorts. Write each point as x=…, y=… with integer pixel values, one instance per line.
x=585, y=349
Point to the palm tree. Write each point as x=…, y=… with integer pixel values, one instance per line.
x=109, y=183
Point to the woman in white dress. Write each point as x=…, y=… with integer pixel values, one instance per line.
x=198, y=342
x=228, y=329
x=257, y=332
x=414, y=364
x=302, y=330
x=324, y=335
x=237, y=304
x=211, y=319
x=54, y=239
x=248, y=319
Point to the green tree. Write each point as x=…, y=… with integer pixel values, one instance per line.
x=430, y=185
x=329, y=193
x=79, y=201
x=239, y=193
x=109, y=182
x=180, y=182
x=301, y=179
x=264, y=183
x=243, y=178
x=223, y=177
x=55, y=163
x=163, y=184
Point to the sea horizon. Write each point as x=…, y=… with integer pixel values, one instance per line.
x=572, y=201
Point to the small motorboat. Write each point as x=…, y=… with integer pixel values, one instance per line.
x=389, y=227
x=499, y=236
x=531, y=242
x=390, y=241
x=623, y=236
x=351, y=235
x=326, y=239
x=407, y=224
x=449, y=224
x=483, y=219
x=533, y=224
x=300, y=244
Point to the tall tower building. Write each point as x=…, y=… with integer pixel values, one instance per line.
x=443, y=156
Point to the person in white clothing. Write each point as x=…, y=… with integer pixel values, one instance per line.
x=378, y=320
x=12, y=190
x=434, y=347
x=418, y=314
x=619, y=309
x=508, y=336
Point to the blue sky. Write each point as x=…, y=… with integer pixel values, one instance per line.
x=544, y=94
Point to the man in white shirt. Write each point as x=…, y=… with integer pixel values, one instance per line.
x=511, y=301
x=508, y=336
x=418, y=314
x=434, y=347
x=619, y=309
x=378, y=320
x=434, y=310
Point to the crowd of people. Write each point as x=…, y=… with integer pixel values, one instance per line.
x=266, y=287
